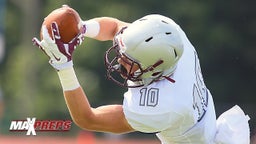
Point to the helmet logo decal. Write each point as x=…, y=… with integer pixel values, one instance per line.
x=121, y=42
x=121, y=45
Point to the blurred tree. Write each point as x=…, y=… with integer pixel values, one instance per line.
x=2, y=38
x=20, y=71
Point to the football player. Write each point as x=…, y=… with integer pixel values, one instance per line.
x=166, y=94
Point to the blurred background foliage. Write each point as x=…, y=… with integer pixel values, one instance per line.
x=223, y=32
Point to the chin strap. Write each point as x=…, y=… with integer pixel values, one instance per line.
x=169, y=79
x=151, y=68
x=157, y=76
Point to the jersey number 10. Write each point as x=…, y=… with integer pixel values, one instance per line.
x=149, y=97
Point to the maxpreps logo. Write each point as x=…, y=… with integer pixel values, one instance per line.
x=31, y=125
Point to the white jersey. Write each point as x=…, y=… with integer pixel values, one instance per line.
x=183, y=112
x=180, y=112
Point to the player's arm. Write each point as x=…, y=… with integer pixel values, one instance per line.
x=108, y=118
x=103, y=28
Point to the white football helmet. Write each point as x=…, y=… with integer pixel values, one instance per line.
x=153, y=43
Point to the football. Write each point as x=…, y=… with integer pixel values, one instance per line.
x=68, y=21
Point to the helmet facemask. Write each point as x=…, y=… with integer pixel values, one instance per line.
x=117, y=72
x=120, y=75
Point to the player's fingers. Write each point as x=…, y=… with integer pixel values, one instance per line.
x=79, y=38
x=55, y=31
x=36, y=42
x=75, y=41
x=46, y=35
x=83, y=29
x=82, y=35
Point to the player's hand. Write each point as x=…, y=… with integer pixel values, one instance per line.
x=59, y=53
